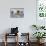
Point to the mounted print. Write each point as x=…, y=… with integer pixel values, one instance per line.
x=17, y=12
x=41, y=8
x=41, y=12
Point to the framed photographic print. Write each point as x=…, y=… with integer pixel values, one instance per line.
x=41, y=8
x=41, y=12
x=17, y=12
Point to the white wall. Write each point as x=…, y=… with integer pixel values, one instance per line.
x=23, y=23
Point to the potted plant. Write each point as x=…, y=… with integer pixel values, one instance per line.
x=39, y=35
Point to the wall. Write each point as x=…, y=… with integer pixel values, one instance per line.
x=23, y=23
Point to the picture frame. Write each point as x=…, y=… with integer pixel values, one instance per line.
x=17, y=12
x=41, y=12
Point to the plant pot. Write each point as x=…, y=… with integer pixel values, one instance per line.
x=40, y=41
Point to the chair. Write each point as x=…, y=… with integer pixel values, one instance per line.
x=25, y=36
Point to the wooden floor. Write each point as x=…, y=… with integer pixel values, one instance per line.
x=13, y=44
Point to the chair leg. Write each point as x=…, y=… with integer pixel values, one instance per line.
x=5, y=43
x=5, y=39
x=17, y=39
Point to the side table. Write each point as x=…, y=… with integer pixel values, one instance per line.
x=8, y=34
